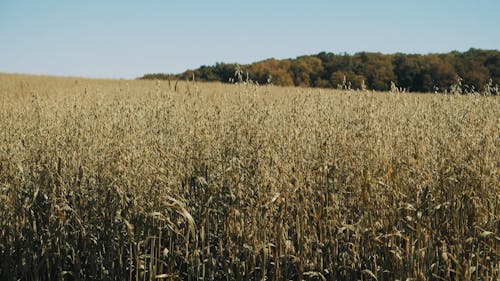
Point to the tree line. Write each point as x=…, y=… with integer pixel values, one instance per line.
x=473, y=70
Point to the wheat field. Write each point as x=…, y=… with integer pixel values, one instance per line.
x=149, y=180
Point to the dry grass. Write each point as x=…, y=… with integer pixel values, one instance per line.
x=131, y=180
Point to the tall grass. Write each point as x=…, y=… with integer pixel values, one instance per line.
x=138, y=180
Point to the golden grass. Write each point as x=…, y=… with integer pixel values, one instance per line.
x=133, y=180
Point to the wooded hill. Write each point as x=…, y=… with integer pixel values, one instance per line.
x=477, y=70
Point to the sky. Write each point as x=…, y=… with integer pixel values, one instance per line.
x=126, y=39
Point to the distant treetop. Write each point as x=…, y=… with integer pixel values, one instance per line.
x=473, y=70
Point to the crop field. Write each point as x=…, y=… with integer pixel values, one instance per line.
x=149, y=180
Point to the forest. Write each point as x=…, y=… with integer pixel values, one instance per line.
x=471, y=71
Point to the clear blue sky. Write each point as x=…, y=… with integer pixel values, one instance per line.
x=125, y=39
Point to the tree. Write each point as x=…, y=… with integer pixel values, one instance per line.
x=419, y=73
x=492, y=63
x=407, y=69
x=442, y=73
x=377, y=68
x=352, y=80
x=275, y=71
x=305, y=70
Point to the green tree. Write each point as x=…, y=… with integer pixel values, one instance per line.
x=377, y=68
x=442, y=73
x=408, y=70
